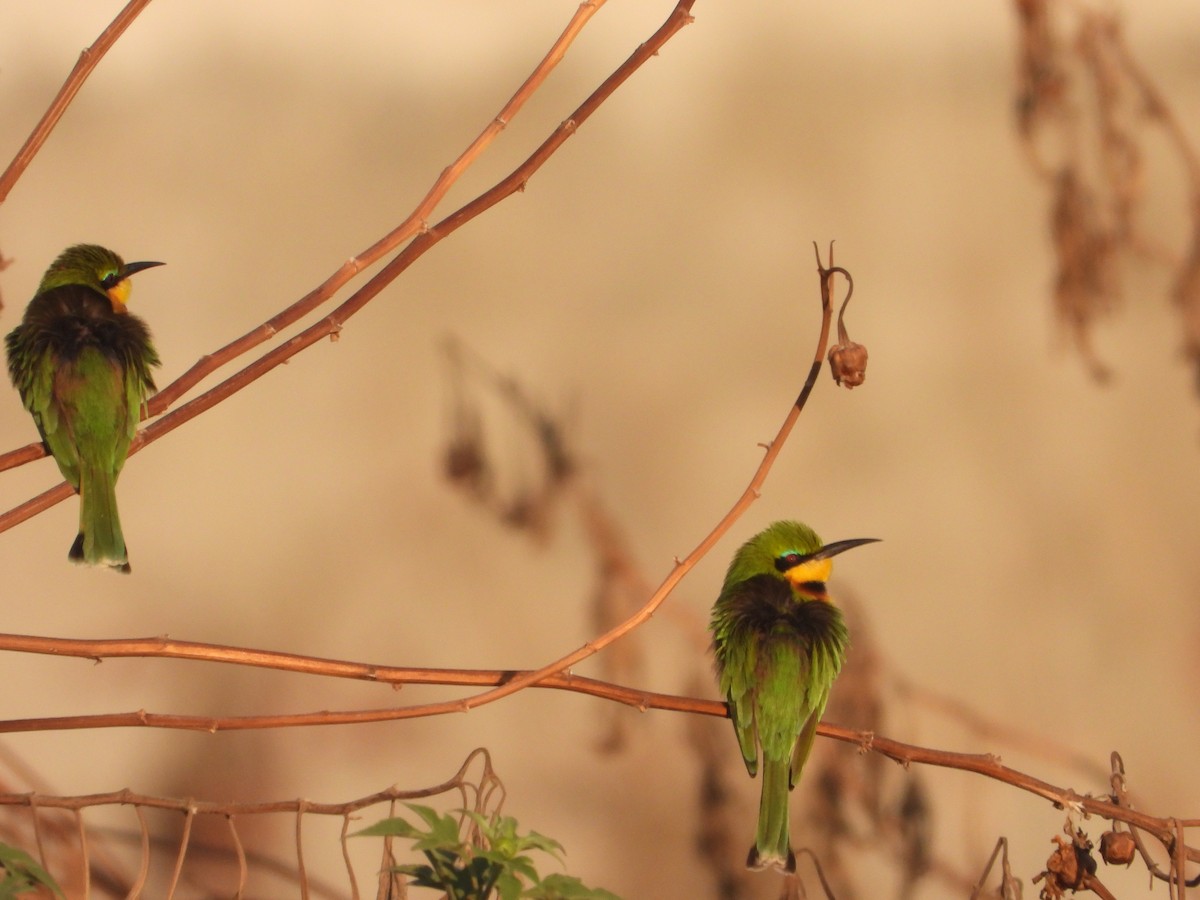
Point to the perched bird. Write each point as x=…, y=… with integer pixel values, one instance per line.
x=81, y=363
x=779, y=644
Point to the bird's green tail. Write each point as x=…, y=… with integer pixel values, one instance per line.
x=771, y=845
x=100, y=541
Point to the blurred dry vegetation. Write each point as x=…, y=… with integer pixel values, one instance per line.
x=646, y=810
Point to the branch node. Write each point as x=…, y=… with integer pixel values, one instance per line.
x=866, y=743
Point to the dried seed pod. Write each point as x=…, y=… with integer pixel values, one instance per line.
x=848, y=363
x=1117, y=847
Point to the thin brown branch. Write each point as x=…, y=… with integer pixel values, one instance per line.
x=354, y=895
x=301, y=871
x=189, y=817
x=160, y=647
x=88, y=60
x=85, y=864
x=243, y=868
x=193, y=807
x=992, y=731
x=414, y=224
x=144, y=864
x=907, y=754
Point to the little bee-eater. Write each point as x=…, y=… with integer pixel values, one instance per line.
x=779, y=643
x=81, y=362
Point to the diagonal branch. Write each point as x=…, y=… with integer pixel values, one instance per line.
x=411, y=226
x=88, y=60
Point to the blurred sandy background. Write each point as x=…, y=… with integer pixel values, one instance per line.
x=655, y=282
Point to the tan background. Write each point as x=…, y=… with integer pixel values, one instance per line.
x=656, y=279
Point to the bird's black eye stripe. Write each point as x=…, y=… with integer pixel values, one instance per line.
x=110, y=279
x=788, y=561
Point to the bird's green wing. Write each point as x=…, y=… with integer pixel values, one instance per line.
x=737, y=663
x=804, y=744
x=739, y=616
x=32, y=369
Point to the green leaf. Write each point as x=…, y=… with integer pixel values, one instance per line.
x=509, y=886
x=23, y=873
x=396, y=827
x=566, y=887
x=465, y=871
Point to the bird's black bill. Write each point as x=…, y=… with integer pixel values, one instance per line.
x=135, y=267
x=840, y=547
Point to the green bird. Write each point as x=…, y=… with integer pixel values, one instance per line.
x=81, y=362
x=779, y=644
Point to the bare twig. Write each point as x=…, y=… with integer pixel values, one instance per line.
x=190, y=811
x=85, y=864
x=144, y=869
x=88, y=60
x=243, y=869
x=475, y=791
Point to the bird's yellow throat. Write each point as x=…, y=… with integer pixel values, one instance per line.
x=807, y=575
x=118, y=295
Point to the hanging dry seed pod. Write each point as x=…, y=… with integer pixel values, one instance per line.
x=847, y=359
x=1117, y=847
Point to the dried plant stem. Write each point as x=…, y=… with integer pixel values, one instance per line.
x=144, y=867
x=300, y=868
x=85, y=864
x=350, y=876
x=243, y=868
x=189, y=817
x=194, y=808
